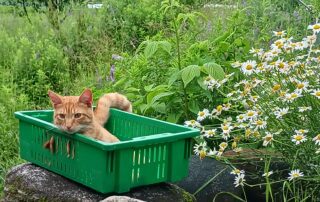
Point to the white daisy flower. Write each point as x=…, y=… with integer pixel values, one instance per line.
x=279, y=33
x=223, y=145
x=203, y=114
x=290, y=97
x=197, y=148
x=241, y=118
x=217, y=111
x=303, y=109
x=251, y=114
x=213, y=152
x=248, y=67
x=295, y=174
x=237, y=172
x=239, y=180
x=210, y=133
x=260, y=124
x=281, y=112
x=301, y=131
x=236, y=64
x=316, y=92
x=315, y=28
x=302, y=85
x=317, y=139
x=267, y=174
x=192, y=123
x=267, y=139
x=298, y=138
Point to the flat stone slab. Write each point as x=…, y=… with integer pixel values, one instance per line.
x=28, y=182
x=216, y=173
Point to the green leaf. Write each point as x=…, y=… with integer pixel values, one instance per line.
x=174, y=77
x=224, y=46
x=148, y=88
x=193, y=106
x=155, y=96
x=189, y=73
x=151, y=49
x=166, y=46
x=174, y=117
x=159, y=107
x=214, y=70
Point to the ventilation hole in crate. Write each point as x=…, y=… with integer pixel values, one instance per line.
x=158, y=171
x=149, y=156
x=187, y=148
x=154, y=154
x=139, y=156
x=133, y=157
x=159, y=154
x=164, y=152
x=163, y=169
x=144, y=156
x=132, y=176
x=138, y=174
x=110, y=162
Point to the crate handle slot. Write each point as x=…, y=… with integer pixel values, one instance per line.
x=49, y=144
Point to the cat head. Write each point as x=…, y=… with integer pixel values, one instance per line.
x=72, y=113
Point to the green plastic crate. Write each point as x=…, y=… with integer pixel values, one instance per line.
x=150, y=151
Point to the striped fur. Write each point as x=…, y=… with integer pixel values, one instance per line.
x=107, y=101
x=74, y=114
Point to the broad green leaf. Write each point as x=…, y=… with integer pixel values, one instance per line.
x=174, y=117
x=151, y=49
x=148, y=88
x=193, y=106
x=132, y=89
x=224, y=46
x=159, y=107
x=214, y=70
x=166, y=46
x=174, y=77
x=157, y=96
x=189, y=73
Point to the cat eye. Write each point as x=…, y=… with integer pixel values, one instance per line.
x=62, y=116
x=77, y=115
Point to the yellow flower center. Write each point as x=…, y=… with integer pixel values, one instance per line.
x=259, y=122
x=300, y=85
x=279, y=33
x=268, y=138
x=249, y=67
x=281, y=65
x=192, y=121
x=223, y=145
x=318, y=137
x=298, y=137
x=295, y=175
x=250, y=113
x=317, y=93
x=225, y=127
x=219, y=108
x=317, y=26
x=294, y=95
x=202, y=154
x=201, y=113
x=276, y=87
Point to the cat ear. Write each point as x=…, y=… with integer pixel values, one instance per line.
x=55, y=98
x=86, y=97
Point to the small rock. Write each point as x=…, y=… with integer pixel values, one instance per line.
x=201, y=171
x=121, y=199
x=28, y=182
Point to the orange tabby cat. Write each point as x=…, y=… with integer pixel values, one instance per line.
x=74, y=114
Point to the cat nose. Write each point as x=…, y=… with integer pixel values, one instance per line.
x=68, y=127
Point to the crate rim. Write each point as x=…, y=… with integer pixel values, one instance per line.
x=132, y=143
